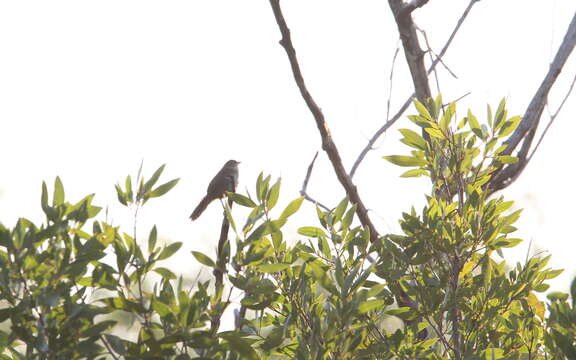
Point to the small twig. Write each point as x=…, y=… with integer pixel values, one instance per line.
x=453, y=34
x=303, y=192
x=553, y=117
x=109, y=348
x=461, y=97
x=391, y=82
x=434, y=56
x=431, y=54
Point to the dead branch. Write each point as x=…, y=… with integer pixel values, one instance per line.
x=527, y=128
x=303, y=192
x=553, y=117
x=328, y=144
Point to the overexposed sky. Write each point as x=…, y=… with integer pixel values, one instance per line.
x=89, y=89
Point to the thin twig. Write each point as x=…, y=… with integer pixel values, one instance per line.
x=303, y=192
x=391, y=83
x=408, y=101
x=461, y=97
x=109, y=348
x=434, y=56
x=328, y=144
x=453, y=34
x=553, y=117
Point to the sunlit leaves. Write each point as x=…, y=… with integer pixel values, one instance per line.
x=403, y=160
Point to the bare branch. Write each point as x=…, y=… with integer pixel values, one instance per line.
x=434, y=56
x=453, y=35
x=553, y=117
x=303, y=192
x=406, y=104
x=328, y=144
x=412, y=50
x=527, y=128
x=391, y=81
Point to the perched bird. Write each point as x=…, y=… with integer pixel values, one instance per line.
x=225, y=180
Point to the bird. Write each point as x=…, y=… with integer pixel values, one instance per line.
x=225, y=180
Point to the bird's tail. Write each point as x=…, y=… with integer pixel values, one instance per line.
x=200, y=208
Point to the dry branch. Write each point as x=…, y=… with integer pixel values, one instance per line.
x=529, y=124
x=328, y=144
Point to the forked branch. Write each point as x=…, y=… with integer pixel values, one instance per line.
x=328, y=144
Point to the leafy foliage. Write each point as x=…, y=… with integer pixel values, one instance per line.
x=331, y=294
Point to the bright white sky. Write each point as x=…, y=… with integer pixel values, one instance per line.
x=89, y=89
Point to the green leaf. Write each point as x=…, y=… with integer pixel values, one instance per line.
x=241, y=200
x=404, y=160
x=262, y=186
x=474, y=125
x=422, y=110
x=44, y=198
x=422, y=122
x=413, y=139
x=435, y=133
x=448, y=114
x=507, y=159
x=511, y=219
x=121, y=196
x=508, y=243
x=500, y=113
x=311, y=231
x=203, y=259
x=165, y=273
x=152, y=239
x=370, y=305
x=128, y=186
x=169, y=250
x=292, y=208
x=493, y=353
x=414, y=173
x=58, y=198
x=161, y=308
x=339, y=211
x=551, y=274
x=272, y=268
x=403, y=313
x=274, y=194
x=240, y=345
x=509, y=126
x=150, y=183
x=164, y=188
x=348, y=218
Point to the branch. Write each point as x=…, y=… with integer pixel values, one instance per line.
x=303, y=192
x=553, y=117
x=391, y=122
x=328, y=144
x=527, y=128
x=219, y=271
x=412, y=50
